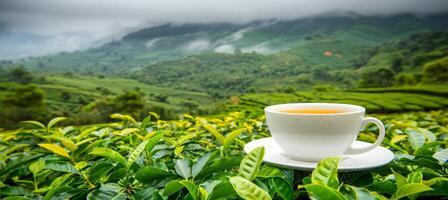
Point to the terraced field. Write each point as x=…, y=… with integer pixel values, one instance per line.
x=398, y=99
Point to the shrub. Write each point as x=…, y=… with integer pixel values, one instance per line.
x=381, y=77
x=436, y=71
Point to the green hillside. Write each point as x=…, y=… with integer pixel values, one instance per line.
x=309, y=38
x=379, y=100
x=387, y=64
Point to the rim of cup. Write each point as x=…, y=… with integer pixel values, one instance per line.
x=349, y=108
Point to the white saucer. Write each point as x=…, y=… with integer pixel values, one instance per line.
x=274, y=155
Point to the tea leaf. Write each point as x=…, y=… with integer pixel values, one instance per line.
x=323, y=192
x=222, y=190
x=34, y=123
x=410, y=189
x=54, y=121
x=136, y=153
x=55, y=149
x=247, y=190
x=416, y=139
x=435, y=180
x=415, y=177
x=232, y=135
x=147, y=174
x=183, y=168
x=441, y=155
x=361, y=194
x=109, y=153
x=37, y=166
x=175, y=185
x=399, y=179
x=200, y=163
x=282, y=187
x=326, y=172
x=250, y=164
x=61, y=167
x=111, y=191
x=398, y=138
x=215, y=133
x=268, y=171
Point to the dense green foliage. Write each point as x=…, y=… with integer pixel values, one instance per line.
x=200, y=158
x=383, y=100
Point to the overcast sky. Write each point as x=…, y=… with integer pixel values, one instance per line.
x=101, y=19
x=105, y=16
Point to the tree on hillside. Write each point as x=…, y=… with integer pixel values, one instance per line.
x=130, y=102
x=436, y=71
x=381, y=77
x=405, y=79
x=20, y=75
x=25, y=102
x=397, y=64
x=25, y=96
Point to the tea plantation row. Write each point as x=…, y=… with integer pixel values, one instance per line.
x=202, y=158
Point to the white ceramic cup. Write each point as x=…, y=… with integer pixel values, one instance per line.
x=312, y=137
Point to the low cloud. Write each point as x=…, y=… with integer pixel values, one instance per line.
x=197, y=45
x=104, y=20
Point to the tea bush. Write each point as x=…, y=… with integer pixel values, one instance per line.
x=202, y=158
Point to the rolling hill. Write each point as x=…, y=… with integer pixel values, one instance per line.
x=343, y=36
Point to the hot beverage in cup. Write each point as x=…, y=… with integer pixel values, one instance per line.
x=313, y=131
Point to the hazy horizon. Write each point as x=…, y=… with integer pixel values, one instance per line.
x=31, y=28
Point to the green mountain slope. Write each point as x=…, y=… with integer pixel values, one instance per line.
x=344, y=36
x=227, y=74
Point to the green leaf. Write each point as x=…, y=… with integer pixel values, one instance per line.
x=357, y=193
x=441, y=155
x=410, y=189
x=200, y=163
x=399, y=179
x=34, y=123
x=110, y=191
x=282, y=187
x=54, y=121
x=147, y=174
x=269, y=171
x=183, y=167
x=36, y=166
x=232, y=135
x=430, y=137
x=415, y=177
x=16, y=198
x=136, y=153
x=223, y=190
x=326, y=172
x=250, y=164
x=61, y=167
x=99, y=170
x=109, y=153
x=435, y=180
x=220, y=165
x=323, y=192
x=176, y=185
x=153, y=141
x=247, y=190
x=148, y=193
x=416, y=139
x=398, y=138
x=57, y=183
x=55, y=149
x=215, y=133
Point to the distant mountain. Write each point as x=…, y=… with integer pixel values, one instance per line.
x=334, y=41
x=228, y=74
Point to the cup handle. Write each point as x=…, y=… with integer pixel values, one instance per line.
x=378, y=141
